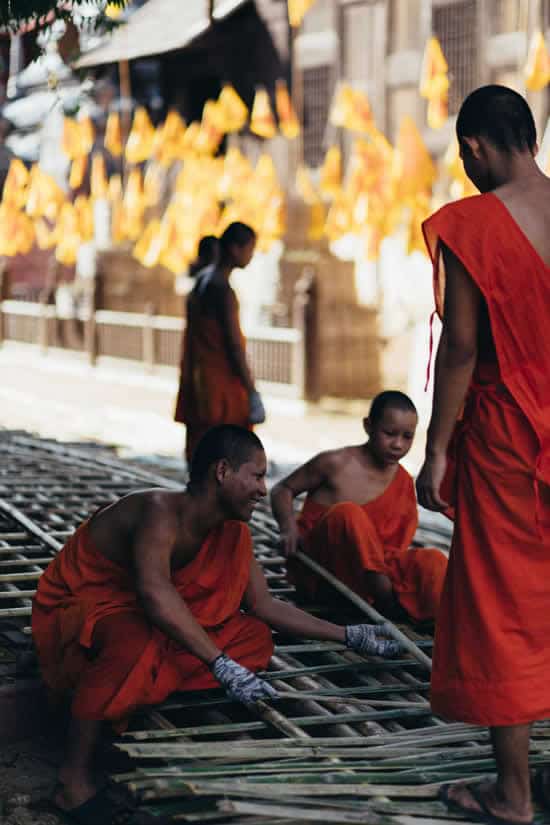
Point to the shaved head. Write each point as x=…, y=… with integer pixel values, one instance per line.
x=234, y=444
x=390, y=399
x=500, y=115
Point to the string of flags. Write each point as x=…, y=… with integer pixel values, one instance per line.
x=162, y=213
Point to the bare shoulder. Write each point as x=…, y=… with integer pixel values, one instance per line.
x=140, y=509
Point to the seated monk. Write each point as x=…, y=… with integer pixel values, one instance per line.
x=360, y=516
x=145, y=599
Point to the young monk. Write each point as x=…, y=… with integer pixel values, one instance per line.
x=145, y=599
x=360, y=516
x=217, y=385
x=491, y=257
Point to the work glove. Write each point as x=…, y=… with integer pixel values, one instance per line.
x=256, y=409
x=371, y=640
x=239, y=682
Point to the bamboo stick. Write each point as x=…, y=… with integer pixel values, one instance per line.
x=29, y=525
x=369, y=611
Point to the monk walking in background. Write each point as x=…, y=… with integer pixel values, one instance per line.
x=217, y=386
x=145, y=599
x=360, y=517
x=491, y=256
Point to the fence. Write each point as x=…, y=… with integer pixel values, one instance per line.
x=276, y=354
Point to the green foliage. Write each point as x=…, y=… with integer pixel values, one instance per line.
x=16, y=13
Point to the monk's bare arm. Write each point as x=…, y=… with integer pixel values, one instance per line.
x=305, y=479
x=161, y=601
x=232, y=331
x=284, y=616
x=456, y=359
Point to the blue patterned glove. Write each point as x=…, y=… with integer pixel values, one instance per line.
x=239, y=682
x=371, y=640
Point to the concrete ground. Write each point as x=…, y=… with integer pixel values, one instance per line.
x=59, y=395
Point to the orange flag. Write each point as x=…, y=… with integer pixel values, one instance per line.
x=262, y=122
x=140, y=140
x=537, y=68
x=288, y=120
x=113, y=135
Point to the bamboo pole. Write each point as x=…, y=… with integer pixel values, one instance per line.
x=366, y=608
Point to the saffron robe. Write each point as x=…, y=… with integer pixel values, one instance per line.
x=350, y=540
x=93, y=637
x=210, y=391
x=491, y=663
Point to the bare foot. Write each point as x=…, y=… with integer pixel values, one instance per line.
x=489, y=797
x=72, y=793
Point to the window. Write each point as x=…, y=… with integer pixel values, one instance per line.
x=317, y=99
x=455, y=25
x=505, y=16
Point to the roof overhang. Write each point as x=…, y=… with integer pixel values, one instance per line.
x=158, y=27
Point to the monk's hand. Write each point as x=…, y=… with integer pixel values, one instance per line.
x=239, y=682
x=371, y=640
x=256, y=409
x=429, y=482
x=289, y=541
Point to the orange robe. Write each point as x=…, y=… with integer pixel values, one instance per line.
x=491, y=661
x=210, y=392
x=92, y=635
x=351, y=539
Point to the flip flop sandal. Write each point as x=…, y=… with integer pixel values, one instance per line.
x=105, y=809
x=483, y=815
x=541, y=789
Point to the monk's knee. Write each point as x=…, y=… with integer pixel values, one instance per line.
x=379, y=588
x=121, y=639
x=346, y=513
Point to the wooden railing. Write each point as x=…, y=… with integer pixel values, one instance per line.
x=276, y=354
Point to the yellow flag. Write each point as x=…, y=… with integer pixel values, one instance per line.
x=85, y=217
x=438, y=111
x=134, y=205
x=297, y=10
x=317, y=218
x=433, y=74
x=169, y=137
x=152, y=184
x=537, y=68
x=78, y=170
x=262, y=122
x=288, y=120
x=87, y=134
x=98, y=177
x=339, y=219
x=114, y=189
x=16, y=231
x=68, y=235
x=331, y=172
x=113, y=135
x=139, y=145
x=15, y=186
x=44, y=197
x=351, y=110
x=148, y=249
x=413, y=167
x=211, y=129
x=70, y=140
x=234, y=110
x=46, y=237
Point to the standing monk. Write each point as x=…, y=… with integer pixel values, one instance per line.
x=145, y=599
x=491, y=257
x=360, y=517
x=217, y=386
